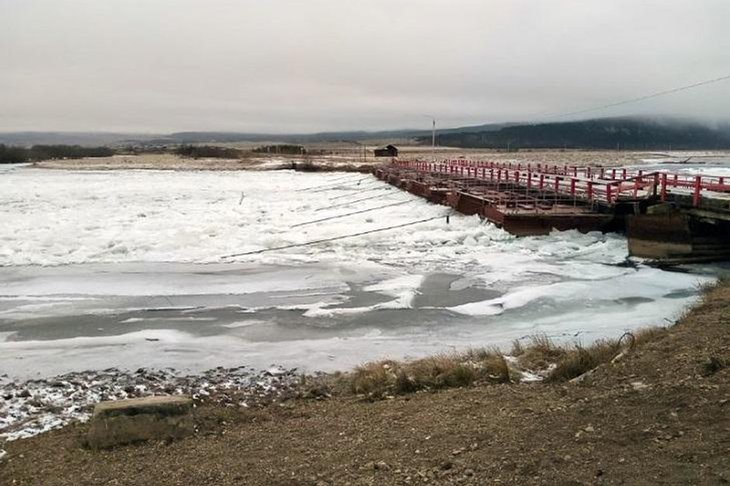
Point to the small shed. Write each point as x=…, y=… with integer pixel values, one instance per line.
x=387, y=151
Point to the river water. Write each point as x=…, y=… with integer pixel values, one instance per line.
x=134, y=268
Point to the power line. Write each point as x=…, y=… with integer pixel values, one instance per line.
x=326, y=240
x=639, y=98
x=332, y=183
x=338, y=185
x=345, y=204
x=384, y=188
x=351, y=214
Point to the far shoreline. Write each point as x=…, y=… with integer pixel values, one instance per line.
x=356, y=163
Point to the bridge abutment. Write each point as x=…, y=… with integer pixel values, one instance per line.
x=673, y=236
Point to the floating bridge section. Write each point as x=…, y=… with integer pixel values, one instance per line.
x=667, y=215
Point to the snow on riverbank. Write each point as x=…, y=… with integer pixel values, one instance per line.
x=37, y=406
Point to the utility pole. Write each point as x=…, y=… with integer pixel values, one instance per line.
x=433, y=141
x=433, y=137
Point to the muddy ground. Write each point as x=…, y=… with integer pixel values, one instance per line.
x=661, y=415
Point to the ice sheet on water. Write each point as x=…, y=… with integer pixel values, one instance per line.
x=648, y=283
x=58, y=217
x=403, y=288
x=118, y=226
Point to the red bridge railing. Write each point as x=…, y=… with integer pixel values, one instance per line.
x=606, y=185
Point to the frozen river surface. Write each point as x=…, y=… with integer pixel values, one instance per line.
x=132, y=268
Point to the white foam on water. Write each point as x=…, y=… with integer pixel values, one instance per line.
x=239, y=324
x=132, y=320
x=650, y=283
x=403, y=288
x=106, y=281
x=5, y=335
x=148, y=335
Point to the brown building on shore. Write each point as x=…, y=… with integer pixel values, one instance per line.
x=387, y=151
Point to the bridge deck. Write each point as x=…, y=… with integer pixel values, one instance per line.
x=533, y=199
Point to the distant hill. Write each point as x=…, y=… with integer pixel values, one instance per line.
x=28, y=139
x=84, y=139
x=228, y=137
x=603, y=133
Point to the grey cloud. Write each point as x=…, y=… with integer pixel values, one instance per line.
x=293, y=65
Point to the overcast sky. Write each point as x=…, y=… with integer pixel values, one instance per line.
x=310, y=65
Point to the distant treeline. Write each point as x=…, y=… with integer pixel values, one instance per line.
x=625, y=134
x=215, y=152
x=14, y=155
x=285, y=149
x=207, y=151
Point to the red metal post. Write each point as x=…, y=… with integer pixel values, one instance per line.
x=609, y=198
x=663, y=192
x=572, y=186
x=698, y=188
x=589, y=189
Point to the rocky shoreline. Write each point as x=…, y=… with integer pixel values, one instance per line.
x=35, y=406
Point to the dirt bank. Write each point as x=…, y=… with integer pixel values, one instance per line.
x=661, y=415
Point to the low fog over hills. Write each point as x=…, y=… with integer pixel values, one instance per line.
x=629, y=133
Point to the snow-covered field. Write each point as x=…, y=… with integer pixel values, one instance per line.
x=133, y=269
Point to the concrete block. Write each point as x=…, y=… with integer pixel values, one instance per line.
x=140, y=419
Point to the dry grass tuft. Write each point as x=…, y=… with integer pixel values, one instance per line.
x=385, y=378
x=517, y=348
x=372, y=378
x=648, y=334
x=581, y=359
x=713, y=365
x=540, y=353
x=557, y=363
x=497, y=368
